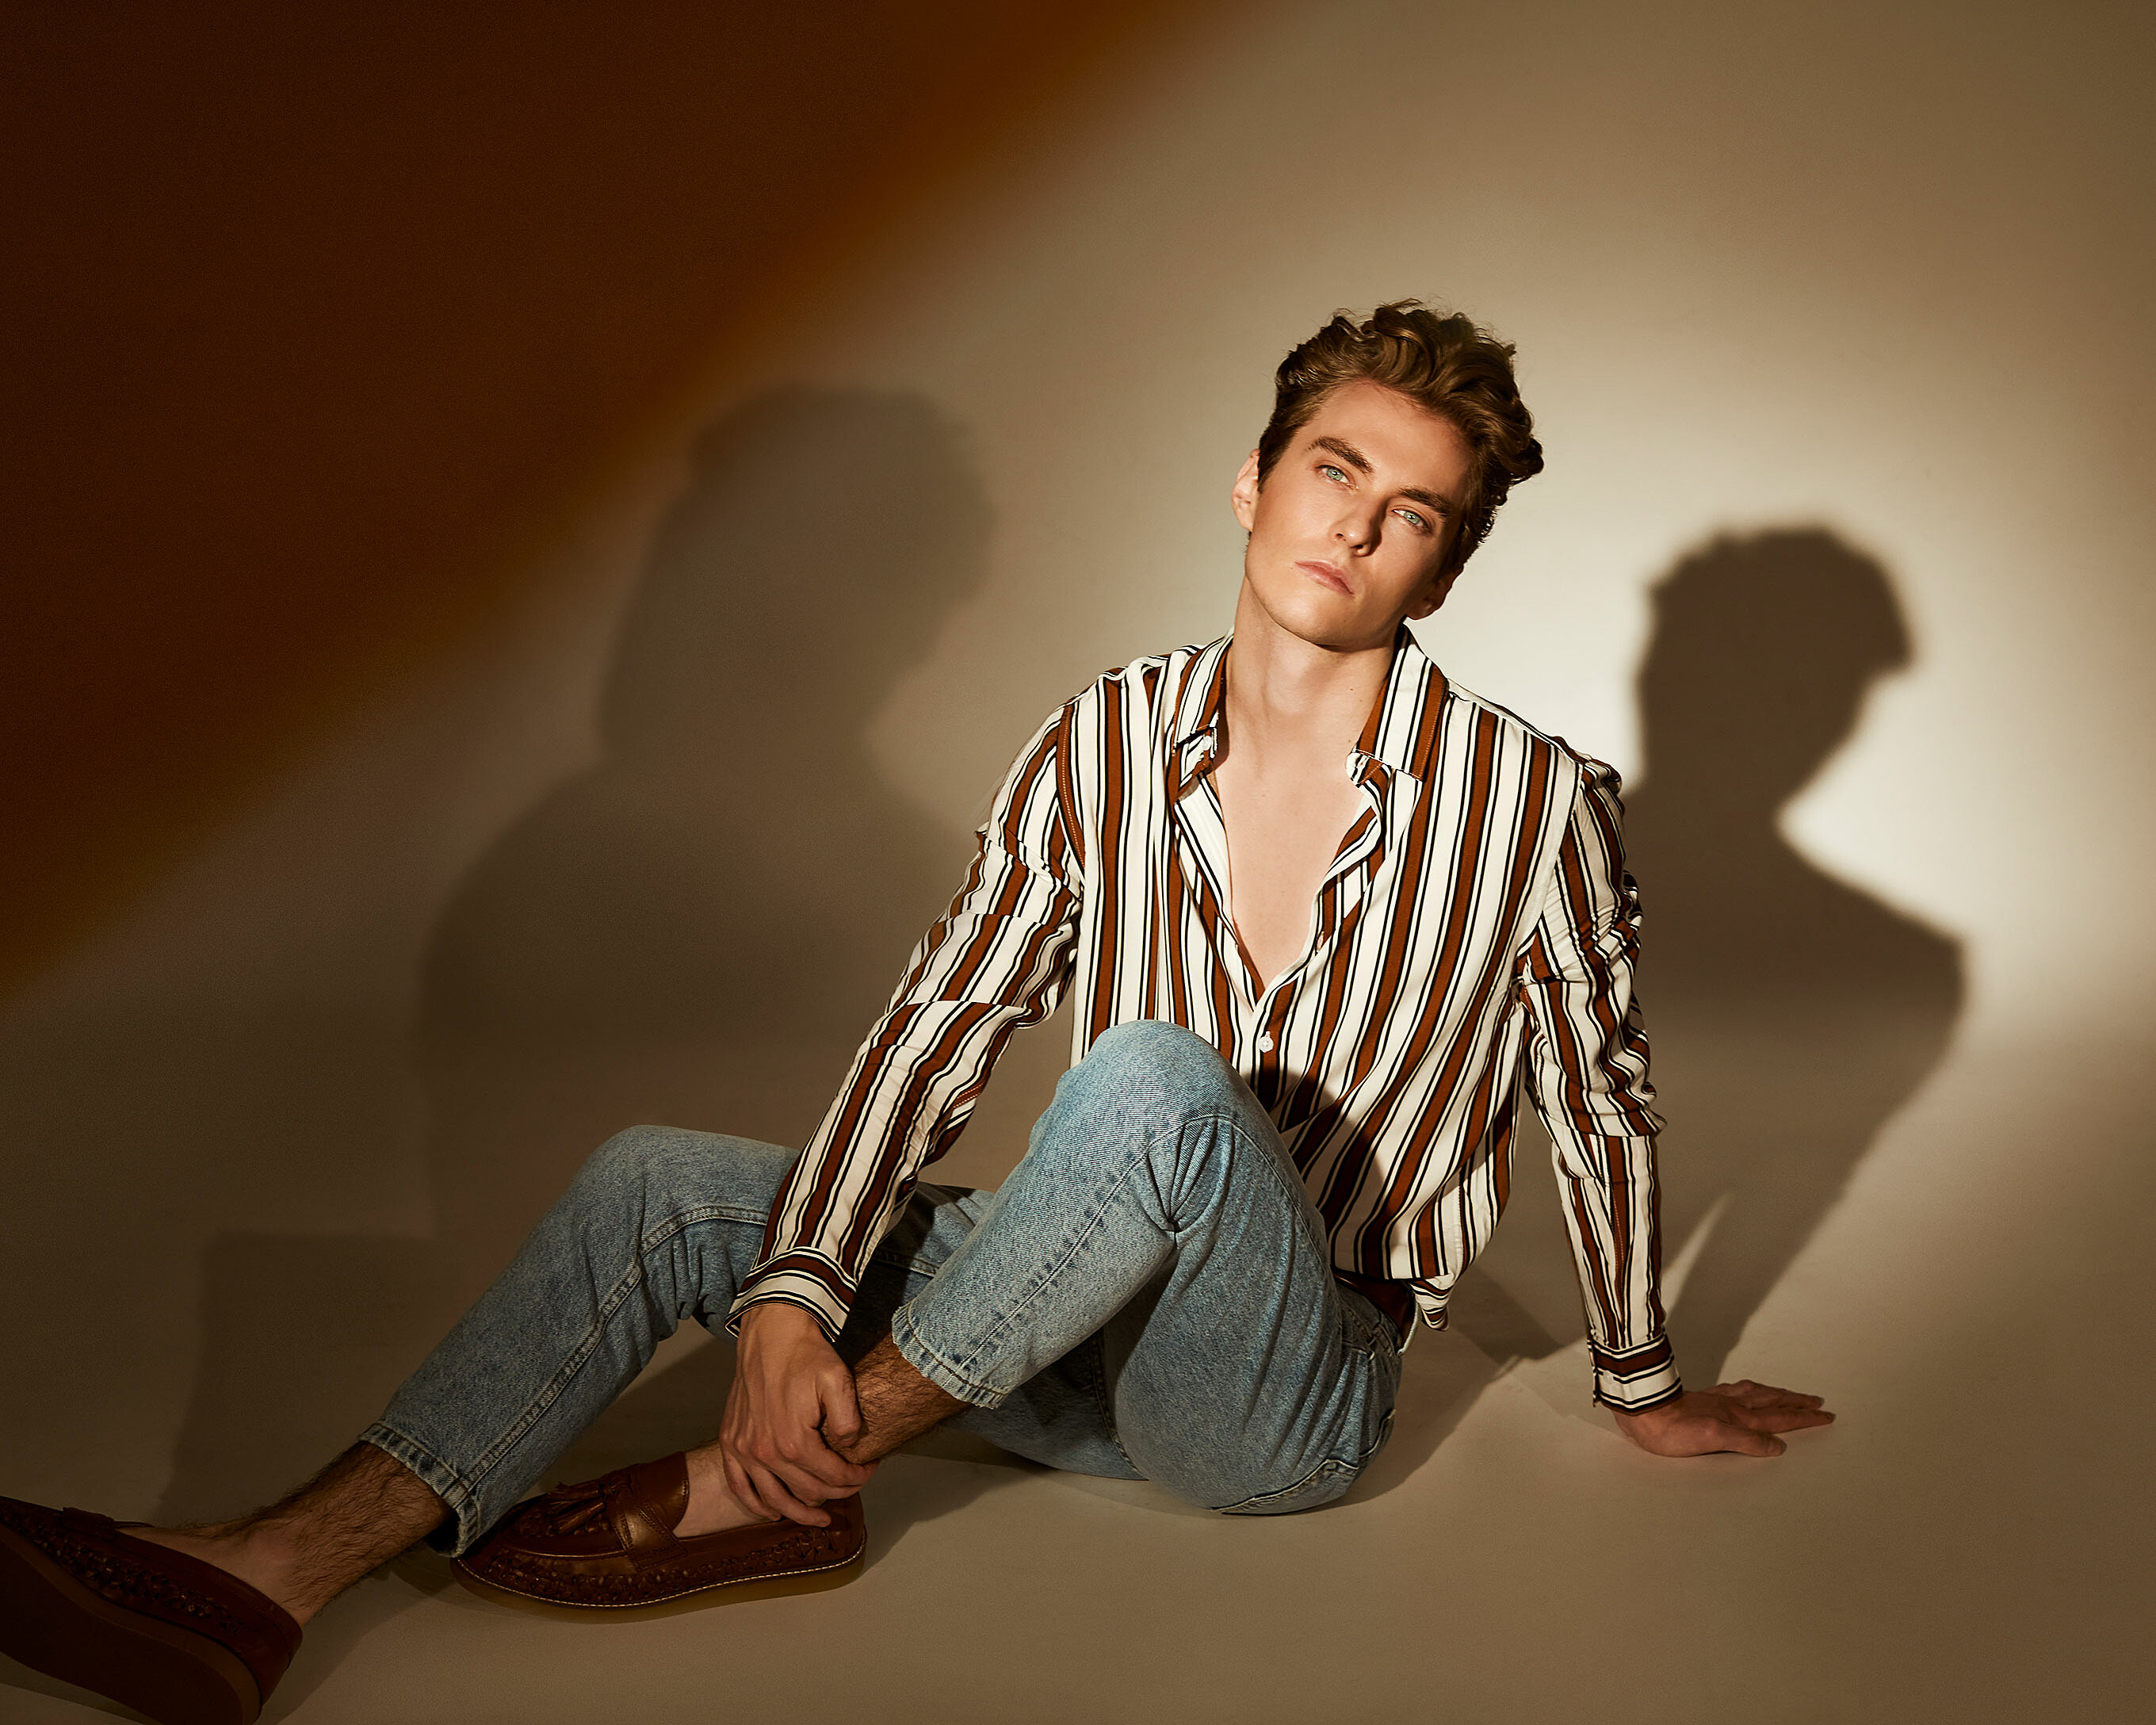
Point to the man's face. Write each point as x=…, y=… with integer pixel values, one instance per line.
x=1351, y=527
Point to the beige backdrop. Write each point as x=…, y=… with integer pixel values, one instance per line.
x=1834, y=321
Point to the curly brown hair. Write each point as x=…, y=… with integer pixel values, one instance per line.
x=1447, y=364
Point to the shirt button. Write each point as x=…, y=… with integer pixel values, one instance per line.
x=1266, y=1043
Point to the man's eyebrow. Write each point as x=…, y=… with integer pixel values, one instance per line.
x=1346, y=451
x=1361, y=463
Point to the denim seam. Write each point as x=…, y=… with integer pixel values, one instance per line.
x=416, y=1456
x=938, y=1370
x=631, y=1279
x=1097, y=1366
x=1026, y=1300
x=458, y=1495
x=1369, y=1349
x=1332, y=1464
x=1355, y=1467
x=963, y=1385
x=1141, y=1157
x=1266, y=1158
x=1337, y=1463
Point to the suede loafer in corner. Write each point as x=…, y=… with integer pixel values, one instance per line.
x=608, y=1546
x=83, y=1600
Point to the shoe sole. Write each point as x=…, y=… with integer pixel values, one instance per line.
x=699, y=1598
x=52, y=1623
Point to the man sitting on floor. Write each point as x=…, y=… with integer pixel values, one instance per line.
x=1321, y=909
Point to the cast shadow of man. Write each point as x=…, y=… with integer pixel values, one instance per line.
x=696, y=930
x=1791, y=1013
x=699, y=929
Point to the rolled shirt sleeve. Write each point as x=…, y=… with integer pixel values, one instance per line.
x=1587, y=1076
x=997, y=960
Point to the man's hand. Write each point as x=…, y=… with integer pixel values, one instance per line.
x=1742, y=1416
x=793, y=1399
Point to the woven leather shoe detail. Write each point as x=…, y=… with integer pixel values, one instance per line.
x=608, y=1544
x=168, y=1634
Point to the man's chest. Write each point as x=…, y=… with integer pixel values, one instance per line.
x=1283, y=834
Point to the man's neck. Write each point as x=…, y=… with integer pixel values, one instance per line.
x=1292, y=706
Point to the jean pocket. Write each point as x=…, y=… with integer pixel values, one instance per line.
x=1328, y=1480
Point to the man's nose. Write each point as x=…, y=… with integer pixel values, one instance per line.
x=1358, y=529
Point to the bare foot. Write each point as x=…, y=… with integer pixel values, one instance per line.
x=712, y=1508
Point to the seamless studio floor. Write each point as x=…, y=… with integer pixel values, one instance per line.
x=1964, y=1545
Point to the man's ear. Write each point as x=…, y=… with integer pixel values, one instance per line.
x=1243, y=498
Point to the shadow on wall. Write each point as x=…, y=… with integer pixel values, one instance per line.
x=705, y=924
x=695, y=931
x=1791, y=1013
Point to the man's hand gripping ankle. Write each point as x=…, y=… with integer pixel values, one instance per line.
x=791, y=1412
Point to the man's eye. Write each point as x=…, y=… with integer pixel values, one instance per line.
x=1415, y=521
x=1331, y=472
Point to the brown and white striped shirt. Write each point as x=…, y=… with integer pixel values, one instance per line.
x=1476, y=925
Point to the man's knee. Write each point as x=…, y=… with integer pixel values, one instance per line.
x=660, y=1168
x=1151, y=1064
x=628, y=1162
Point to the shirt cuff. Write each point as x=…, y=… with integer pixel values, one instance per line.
x=807, y=1280
x=1637, y=1379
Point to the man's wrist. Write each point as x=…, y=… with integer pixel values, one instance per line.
x=779, y=1318
x=1653, y=1415
x=801, y=1278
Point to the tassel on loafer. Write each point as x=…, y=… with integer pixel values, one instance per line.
x=608, y=1546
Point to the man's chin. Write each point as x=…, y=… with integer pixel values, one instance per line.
x=1297, y=606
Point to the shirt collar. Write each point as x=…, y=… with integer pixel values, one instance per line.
x=1400, y=733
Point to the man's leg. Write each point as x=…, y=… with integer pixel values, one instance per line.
x=1158, y=1226
x=313, y=1543
x=659, y=1225
x=1155, y=1232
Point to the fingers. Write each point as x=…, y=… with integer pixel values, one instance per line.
x=744, y=1493
x=811, y=1467
x=1745, y=1441
x=1783, y=1419
x=762, y=1493
x=1764, y=1408
x=773, y=1494
x=797, y=1471
x=841, y=1423
x=1749, y=1395
x=768, y=1491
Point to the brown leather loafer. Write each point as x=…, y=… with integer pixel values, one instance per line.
x=162, y=1632
x=607, y=1545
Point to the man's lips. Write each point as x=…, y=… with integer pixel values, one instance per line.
x=1326, y=575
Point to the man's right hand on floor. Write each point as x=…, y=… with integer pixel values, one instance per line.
x=793, y=1399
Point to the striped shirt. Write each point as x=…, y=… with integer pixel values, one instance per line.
x=1476, y=928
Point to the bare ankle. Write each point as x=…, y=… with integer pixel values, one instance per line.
x=713, y=1508
x=896, y=1402
x=307, y=1547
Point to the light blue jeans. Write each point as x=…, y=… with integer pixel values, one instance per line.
x=1149, y=1295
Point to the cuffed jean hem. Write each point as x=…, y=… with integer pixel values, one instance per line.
x=460, y=1532
x=937, y=1370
